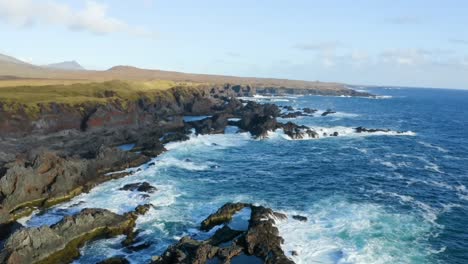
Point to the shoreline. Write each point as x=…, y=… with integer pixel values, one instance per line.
x=255, y=118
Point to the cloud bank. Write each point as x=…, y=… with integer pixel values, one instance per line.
x=93, y=17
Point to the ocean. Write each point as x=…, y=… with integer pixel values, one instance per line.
x=383, y=197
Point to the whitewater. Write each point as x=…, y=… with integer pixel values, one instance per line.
x=384, y=197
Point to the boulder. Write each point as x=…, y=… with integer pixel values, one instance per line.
x=139, y=187
x=295, y=131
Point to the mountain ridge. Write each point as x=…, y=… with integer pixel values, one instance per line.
x=66, y=65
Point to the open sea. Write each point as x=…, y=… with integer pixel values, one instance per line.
x=369, y=198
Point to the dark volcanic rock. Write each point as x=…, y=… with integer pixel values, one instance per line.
x=212, y=125
x=260, y=243
x=174, y=136
x=262, y=238
x=258, y=119
x=300, y=218
x=187, y=251
x=115, y=260
x=48, y=178
x=295, y=131
x=139, y=187
x=328, y=112
x=292, y=114
x=370, y=130
x=60, y=243
x=223, y=215
x=288, y=108
x=309, y=110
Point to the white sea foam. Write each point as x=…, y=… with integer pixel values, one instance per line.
x=327, y=132
x=430, y=214
x=338, y=114
x=433, y=146
x=213, y=141
x=383, y=97
x=462, y=192
x=343, y=232
x=183, y=164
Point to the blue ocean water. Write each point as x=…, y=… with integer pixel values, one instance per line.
x=383, y=198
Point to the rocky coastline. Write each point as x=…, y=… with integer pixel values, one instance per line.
x=66, y=150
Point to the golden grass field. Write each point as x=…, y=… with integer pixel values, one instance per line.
x=29, y=95
x=26, y=86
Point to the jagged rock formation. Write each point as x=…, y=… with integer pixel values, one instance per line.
x=260, y=241
x=60, y=242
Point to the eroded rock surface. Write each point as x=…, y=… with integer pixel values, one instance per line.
x=60, y=242
x=260, y=241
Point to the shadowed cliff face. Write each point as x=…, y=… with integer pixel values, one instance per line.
x=141, y=112
x=62, y=149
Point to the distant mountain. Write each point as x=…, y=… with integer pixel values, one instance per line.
x=6, y=58
x=66, y=65
x=11, y=68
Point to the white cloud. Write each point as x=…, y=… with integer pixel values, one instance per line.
x=93, y=17
x=409, y=57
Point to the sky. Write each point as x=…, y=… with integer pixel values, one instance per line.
x=369, y=42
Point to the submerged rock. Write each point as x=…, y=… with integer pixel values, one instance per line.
x=309, y=110
x=328, y=112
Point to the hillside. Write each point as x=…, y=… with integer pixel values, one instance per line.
x=19, y=73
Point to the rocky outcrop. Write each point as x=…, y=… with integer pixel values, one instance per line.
x=139, y=187
x=60, y=243
x=258, y=119
x=48, y=178
x=211, y=125
x=295, y=131
x=371, y=130
x=260, y=241
x=290, y=112
x=223, y=215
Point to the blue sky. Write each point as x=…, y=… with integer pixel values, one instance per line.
x=406, y=43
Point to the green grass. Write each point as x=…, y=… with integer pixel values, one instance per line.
x=30, y=97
